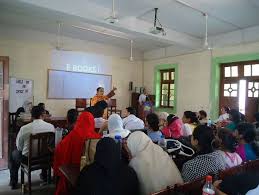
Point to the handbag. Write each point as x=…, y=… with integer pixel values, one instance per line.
x=175, y=147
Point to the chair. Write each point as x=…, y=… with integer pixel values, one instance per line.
x=191, y=188
x=232, y=171
x=80, y=104
x=112, y=107
x=39, y=156
x=251, y=165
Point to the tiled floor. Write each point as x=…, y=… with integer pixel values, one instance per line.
x=37, y=187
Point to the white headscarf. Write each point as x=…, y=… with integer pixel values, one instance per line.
x=115, y=126
x=163, y=115
x=155, y=169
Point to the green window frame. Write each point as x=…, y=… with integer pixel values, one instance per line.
x=158, y=81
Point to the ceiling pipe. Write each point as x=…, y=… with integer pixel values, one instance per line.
x=100, y=32
x=113, y=9
x=131, y=51
x=204, y=13
x=58, y=46
x=206, y=44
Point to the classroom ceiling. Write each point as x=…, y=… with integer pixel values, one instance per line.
x=184, y=24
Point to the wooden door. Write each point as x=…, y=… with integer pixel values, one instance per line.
x=252, y=101
x=239, y=88
x=229, y=86
x=4, y=111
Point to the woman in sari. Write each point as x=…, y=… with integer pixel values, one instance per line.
x=69, y=150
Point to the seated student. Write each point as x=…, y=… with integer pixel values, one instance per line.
x=174, y=127
x=235, y=119
x=19, y=111
x=103, y=104
x=190, y=121
x=131, y=122
x=72, y=115
x=69, y=150
x=162, y=119
x=247, y=148
x=207, y=161
x=227, y=148
x=42, y=105
x=202, y=117
x=98, y=113
x=17, y=122
x=108, y=175
x=154, y=167
x=115, y=127
x=152, y=123
x=224, y=114
x=22, y=142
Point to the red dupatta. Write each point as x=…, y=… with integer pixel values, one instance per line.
x=69, y=150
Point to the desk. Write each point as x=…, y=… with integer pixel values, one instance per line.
x=71, y=172
x=56, y=121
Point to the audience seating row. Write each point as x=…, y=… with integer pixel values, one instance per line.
x=195, y=187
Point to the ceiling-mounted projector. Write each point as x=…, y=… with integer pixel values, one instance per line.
x=157, y=29
x=112, y=19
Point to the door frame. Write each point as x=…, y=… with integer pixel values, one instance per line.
x=4, y=129
x=215, y=77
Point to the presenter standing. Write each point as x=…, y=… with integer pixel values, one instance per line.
x=100, y=95
x=143, y=97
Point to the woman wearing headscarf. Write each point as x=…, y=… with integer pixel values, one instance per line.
x=108, y=175
x=69, y=150
x=115, y=127
x=154, y=168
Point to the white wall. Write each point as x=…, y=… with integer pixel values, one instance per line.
x=194, y=74
x=30, y=58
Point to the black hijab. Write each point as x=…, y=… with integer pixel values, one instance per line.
x=107, y=175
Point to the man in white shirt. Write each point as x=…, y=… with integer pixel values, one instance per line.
x=22, y=142
x=142, y=97
x=131, y=122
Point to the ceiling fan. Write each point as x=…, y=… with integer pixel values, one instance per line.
x=206, y=44
x=112, y=19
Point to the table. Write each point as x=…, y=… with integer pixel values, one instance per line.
x=71, y=172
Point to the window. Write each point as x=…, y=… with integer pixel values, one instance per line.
x=230, y=90
x=231, y=71
x=167, y=89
